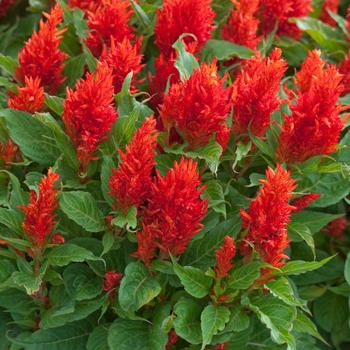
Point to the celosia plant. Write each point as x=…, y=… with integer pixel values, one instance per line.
x=174, y=175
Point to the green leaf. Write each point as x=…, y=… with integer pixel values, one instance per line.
x=244, y=276
x=195, y=281
x=98, y=338
x=296, y=230
x=185, y=62
x=213, y=320
x=282, y=289
x=158, y=337
x=108, y=240
x=187, y=323
x=35, y=140
x=347, y=269
x=29, y=282
x=128, y=220
x=137, y=288
x=239, y=320
x=141, y=14
x=215, y=195
x=128, y=334
x=69, y=337
x=223, y=50
x=298, y=267
x=8, y=64
x=277, y=316
x=106, y=172
x=11, y=219
x=303, y=324
x=54, y=103
x=74, y=69
x=64, y=254
x=82, y=208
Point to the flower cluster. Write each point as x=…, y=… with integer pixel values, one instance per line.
x=39, y=218
x=85, y=5
x=174, y=212
x=41, y=56
x=8, y=152
x=89, y=113
x=110, y=20
x=224, y=256
x=315, y=125
x=198, y=107
x=267, y=217
x=177, y=17
x=131, y=183
x=30, y=97
x=255, y=93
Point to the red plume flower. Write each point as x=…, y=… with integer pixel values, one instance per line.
x=131, y=183
x=303, y=201
x=8, y=152
x=242, y=25
x=344, y=69
x=85, y=5
x=41, y=56
x=174, y=212
x=89, y=113
x=268, y=216
x=123, y=57
x=165, y=72
x=315, y=125
x=329, y=5
x=224, y=256
x=110, y=20
x=111, y=280
x=30, y=97
x=4, y=6
x=172, y=340
x=273, y=11
x=184, y=16
x=197, y=107
x=255, y=93
x=39, y=213
x=337, y=227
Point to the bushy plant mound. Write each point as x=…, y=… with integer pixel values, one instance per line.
x=174, y=175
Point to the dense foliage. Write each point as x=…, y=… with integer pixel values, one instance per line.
x=174, y=174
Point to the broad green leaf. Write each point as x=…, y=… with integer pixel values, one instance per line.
x=298, y=267
x=18, y=196
x=213, y=320
x=194, y=280
x=298, y=230
x=29, y=282
x=8, y=64
x=128, y=335
x=282, y=289
x=239, y=320
x=106, y=172
x=69, y=337
x=82, y=208
x=216, y=198
x=98, y=339
x=64, y=254
x=74, y=69
x=11, y=219
x=244, y=276
x=137, y=288
x=187, y=322
x=347, y=269
x=54, y=103
x=141, y=14
x=158, y=337
x=185, y=62
x=277, y=316
x=223, y=50
x=128, y=220
x=303, y=324
x=35, y=140
x=108, y=240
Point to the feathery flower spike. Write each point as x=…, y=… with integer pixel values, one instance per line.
x=224, y=256
x=303, y=201
x=337, y=227
x=89, y=113
x=329, y=5
x=8, y=152
x=85, y=5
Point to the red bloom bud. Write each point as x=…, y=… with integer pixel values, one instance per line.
x=111, y=280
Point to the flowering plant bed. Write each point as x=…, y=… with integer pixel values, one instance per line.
x=174, y=174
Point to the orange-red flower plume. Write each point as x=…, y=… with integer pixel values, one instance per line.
x=123, y=57
x=110, y=20
x=344, y=69
x=89, y=113
x=224, y=256
x=267, y=217
x=8, y=152
x=174, y=213
x=30, y=97
x=255, y=93
x=131, y=183
x=315, y=126
x=41, y=56
x=329, y=5
x=184, y=16
x=242, y=25
x=85, y=5
x=280, y=11
x=39, y=218
x=302, y=202
x=198, y=107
